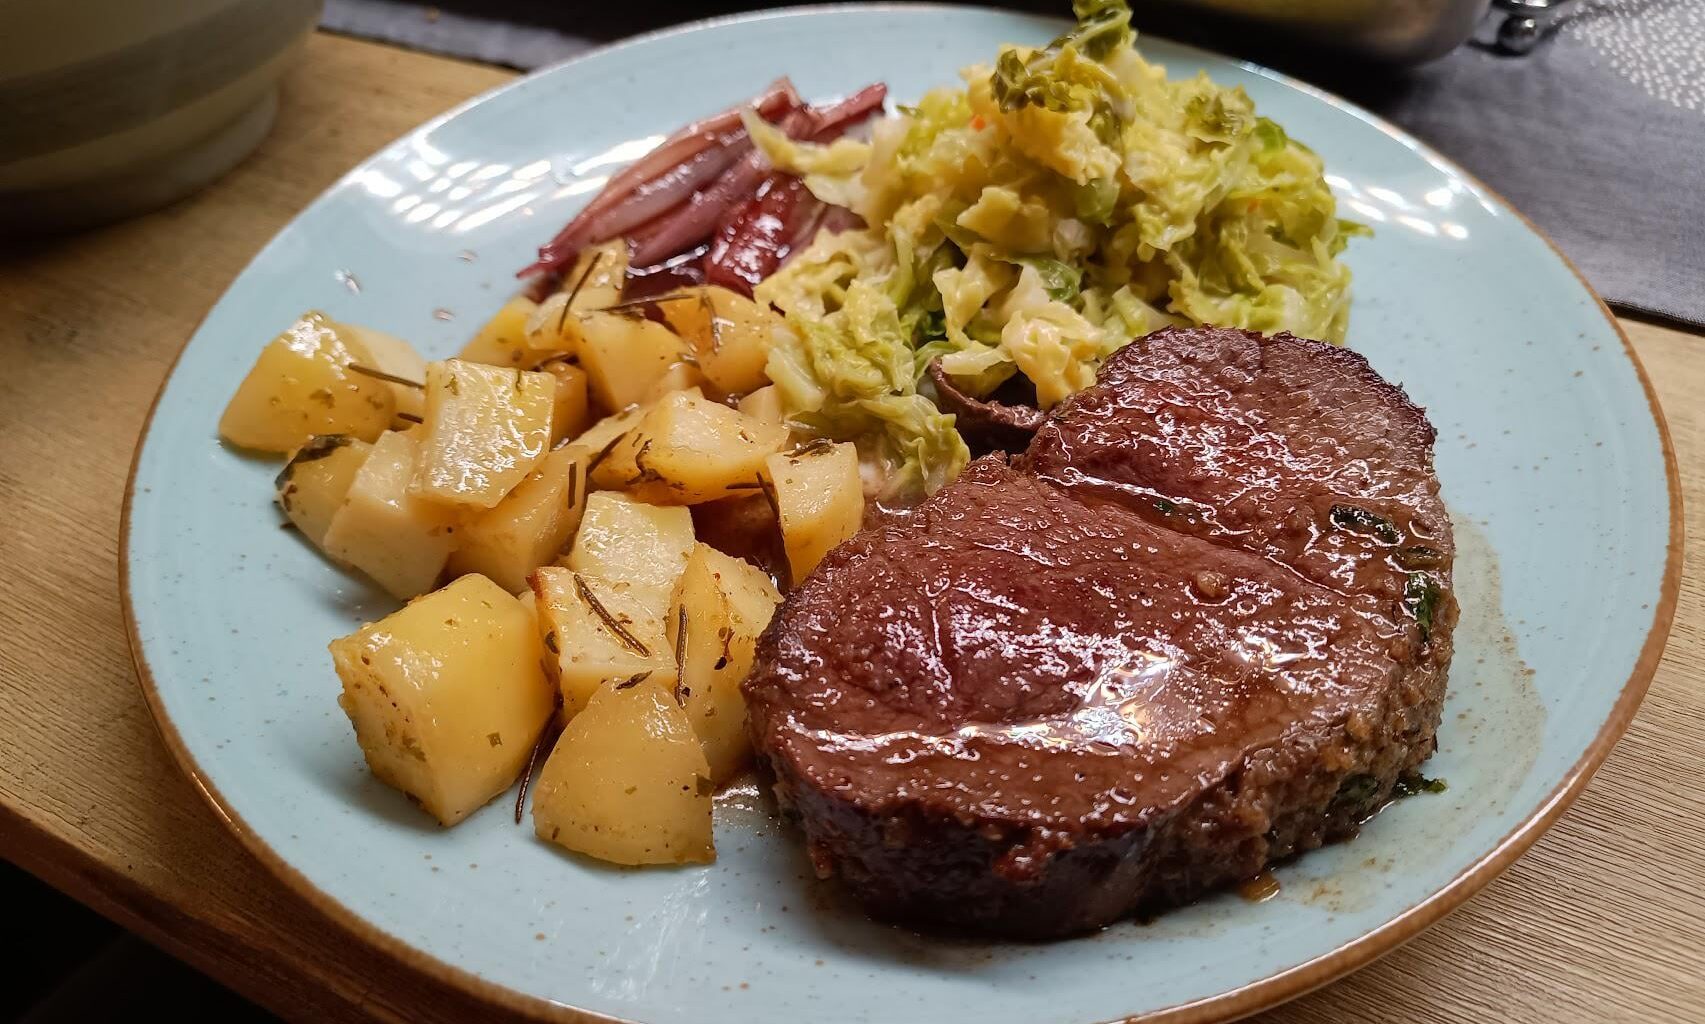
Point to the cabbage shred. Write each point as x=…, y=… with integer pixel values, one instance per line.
x=1034, y=221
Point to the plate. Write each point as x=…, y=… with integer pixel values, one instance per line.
x=1552, y=454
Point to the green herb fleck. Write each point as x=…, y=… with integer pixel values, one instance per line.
x=1409, y=785
x=1421, y=597
x=1356, y=791
x=1360, y=520
x=317, y=447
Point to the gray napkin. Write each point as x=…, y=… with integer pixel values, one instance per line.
x=1598, y=135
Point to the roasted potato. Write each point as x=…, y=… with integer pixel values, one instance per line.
x=764, y=405
x=391, y=355
x=600, y=632
x=730, y=335
x=719, y=608
x=683, y=376
x=503, y=339
x=643, y=545
x=485, y=428
x=625, y=356
x=316, y=481
x=384, y=529
x=594, y=282
x=627, y=782
x=601, y=434
x=301, y=387
x=446, y=695
x=687, y=449
x=530, y=527
x=571, y=413
x=819, y=498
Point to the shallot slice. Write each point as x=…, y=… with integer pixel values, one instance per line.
x=756, y=239
x=753, y=244
x=828, y=123
x=669, y=189
x=779, y=99
x=698, y=218
x=838, y=218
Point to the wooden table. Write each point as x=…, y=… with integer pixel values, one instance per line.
x=1602, y=921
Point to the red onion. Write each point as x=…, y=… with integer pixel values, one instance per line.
x=750, y=246
x=811, y=215
x=762, y=234
x=707, y=183
x=697, y=220
x=839, y=218
x=831, y=121
x=779, y=99
x=683, y=271
x=673, y=187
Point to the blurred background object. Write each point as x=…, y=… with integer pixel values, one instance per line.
x=112, y=107
x=1408, y=32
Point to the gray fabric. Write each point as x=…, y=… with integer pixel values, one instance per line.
x=1598, y=135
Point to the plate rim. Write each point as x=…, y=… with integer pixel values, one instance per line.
x=1230, y=1004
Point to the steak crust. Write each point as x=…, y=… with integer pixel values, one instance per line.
x=1203, y=623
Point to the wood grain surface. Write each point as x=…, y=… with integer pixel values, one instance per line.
x=1602, y=921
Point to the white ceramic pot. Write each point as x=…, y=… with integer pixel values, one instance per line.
x=111, y=107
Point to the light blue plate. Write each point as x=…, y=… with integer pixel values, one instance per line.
x=1550, y=450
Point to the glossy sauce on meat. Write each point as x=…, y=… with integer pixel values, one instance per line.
x=1169, y=644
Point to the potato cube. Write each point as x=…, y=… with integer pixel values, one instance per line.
x=301, y=386
x=819, y=498
x=317, y=479
x=601, y=434
x=764, y=405
x=687, y=449
x=625, y=356
x=628, y=783
x=600, y=631
x=503, y=339
x=729, y=334
x=447, y=696
x=571, y=413
x=530, y=527
x=644, y=545
x=485, y=429
x=391, y=355
x=683, y=376
x=719, y=608
x=598, y=276
x=594, y=282
x=386, y=531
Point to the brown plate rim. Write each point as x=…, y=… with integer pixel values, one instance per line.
x=1224, y=1006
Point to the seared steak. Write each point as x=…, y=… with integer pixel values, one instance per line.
x=1201, y=624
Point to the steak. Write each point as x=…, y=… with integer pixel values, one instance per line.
x=1201, y=624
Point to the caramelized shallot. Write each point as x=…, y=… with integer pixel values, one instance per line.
x=678, y=149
